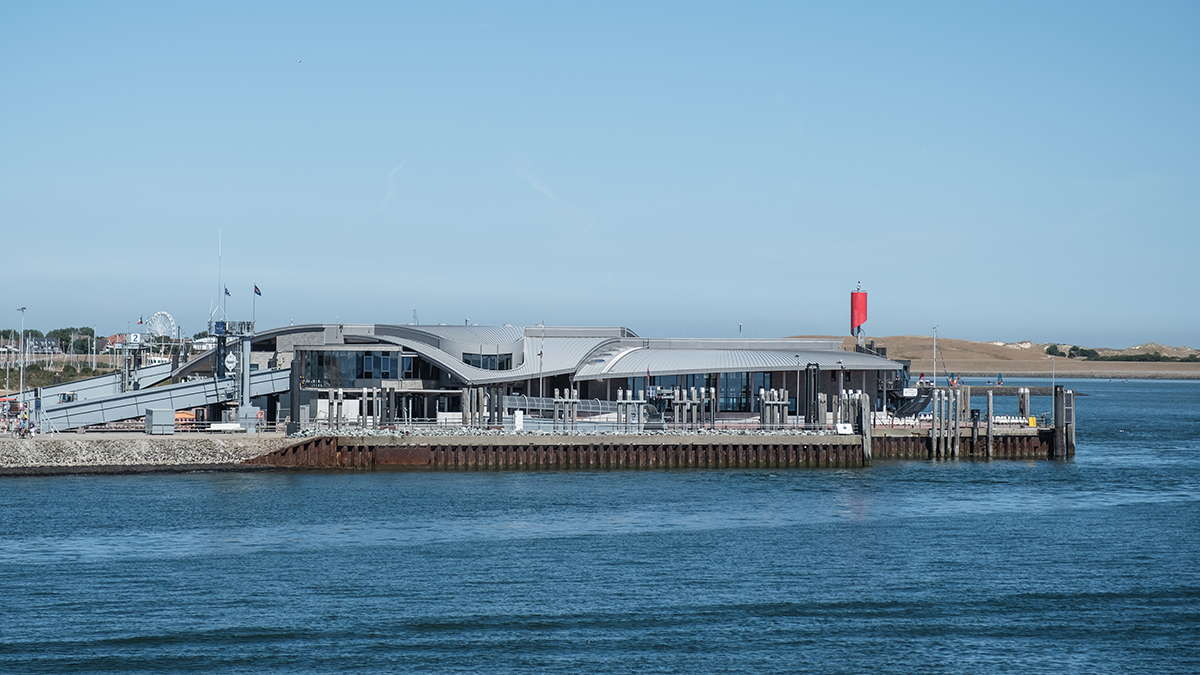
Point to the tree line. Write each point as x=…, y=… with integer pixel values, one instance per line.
x=1093, y=355
x=70, y=339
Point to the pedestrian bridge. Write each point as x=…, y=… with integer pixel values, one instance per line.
x=182, y=396
x=98, y=387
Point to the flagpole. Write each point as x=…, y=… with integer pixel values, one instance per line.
x=254, y=304
x=220, y=285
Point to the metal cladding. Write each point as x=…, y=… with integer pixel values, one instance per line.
x=636, y=361
x=581, y=352
x=858, y=311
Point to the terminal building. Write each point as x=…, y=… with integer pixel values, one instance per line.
x=425, y=368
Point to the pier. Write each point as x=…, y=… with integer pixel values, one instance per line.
x=682, y=451
x=951, y=434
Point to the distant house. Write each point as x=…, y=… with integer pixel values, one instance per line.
x=43, y=345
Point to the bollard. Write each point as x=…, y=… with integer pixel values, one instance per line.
x=1060, y=423
x=865, y=420
x=989, y=424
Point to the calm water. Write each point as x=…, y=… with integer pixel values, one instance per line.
x=908, y=567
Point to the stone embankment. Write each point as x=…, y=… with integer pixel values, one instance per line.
x=132, y=452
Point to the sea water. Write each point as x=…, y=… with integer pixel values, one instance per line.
x=1086, y=566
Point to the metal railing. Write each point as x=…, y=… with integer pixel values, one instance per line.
x=594, y=423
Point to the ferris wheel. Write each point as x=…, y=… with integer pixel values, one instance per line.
x=161, y=325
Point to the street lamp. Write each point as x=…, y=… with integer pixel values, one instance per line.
x=22, y=347
x=841, y=392
x=797, y=387
x=935, y=357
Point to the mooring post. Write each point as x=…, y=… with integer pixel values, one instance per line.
x=1060, y=423
x=933, y=424
x=950, y=423
x=943, y=428
x=865, y=418
x=958, y=396
x=989, y=424
x=1070, y=423
x=941, y=422
x=945, y=424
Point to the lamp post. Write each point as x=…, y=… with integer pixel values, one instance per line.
x=797, y=387
x=935, y=357
x=841, y=391
x=22, y=348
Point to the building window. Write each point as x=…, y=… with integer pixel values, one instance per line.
x=489, y=361
x=734, y=392
x=375, y=365
x=761, y=381
x=345, y=368
x=417, y=368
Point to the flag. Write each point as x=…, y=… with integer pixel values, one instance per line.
x=227, y=292
x=256, y=291
x=139, y=320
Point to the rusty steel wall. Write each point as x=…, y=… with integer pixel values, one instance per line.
x=334, y=452
x=1009, y=446
x=645, y=456
x=503, y=454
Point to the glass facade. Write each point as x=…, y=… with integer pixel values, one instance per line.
x=349, y=369
x=736, y=392
x=489, y=361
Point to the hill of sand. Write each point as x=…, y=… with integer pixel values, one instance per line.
x=1017, y=359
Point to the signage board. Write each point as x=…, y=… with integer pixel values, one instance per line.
x=910, y=392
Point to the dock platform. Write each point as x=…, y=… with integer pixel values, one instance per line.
x=676, y=451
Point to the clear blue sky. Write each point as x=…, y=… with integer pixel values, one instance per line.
x=1006, y=171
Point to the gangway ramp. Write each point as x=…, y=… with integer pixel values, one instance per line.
x=99, y=387
x=182, y=396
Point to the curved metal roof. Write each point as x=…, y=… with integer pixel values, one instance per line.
x=596, y=354
x=562, y=357
x=635, y=361
x=491, y=335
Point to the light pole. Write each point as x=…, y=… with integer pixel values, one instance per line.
x=22, y=347
x=797, y=387
x=935, y=357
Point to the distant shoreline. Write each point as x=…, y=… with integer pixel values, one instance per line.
x=987, y=359
x=1099, y=370
x=1068, y=375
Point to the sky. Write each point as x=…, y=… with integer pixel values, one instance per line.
x=1003, y=171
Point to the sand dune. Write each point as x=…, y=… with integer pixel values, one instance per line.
x=965, y=357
